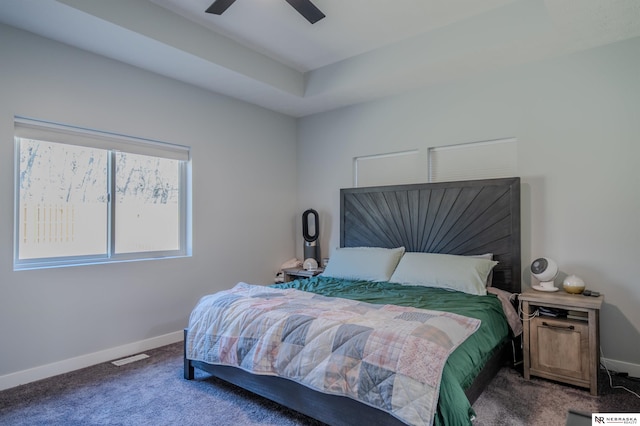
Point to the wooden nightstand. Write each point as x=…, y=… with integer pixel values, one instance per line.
x=291, y=274
x=560, y=348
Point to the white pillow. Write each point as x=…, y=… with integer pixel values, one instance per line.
x=363, y=263
x=461, y=273
x=490, y=257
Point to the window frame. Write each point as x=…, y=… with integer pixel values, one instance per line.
x=112, y=143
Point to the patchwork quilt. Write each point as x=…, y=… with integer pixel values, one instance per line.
x=387, y=356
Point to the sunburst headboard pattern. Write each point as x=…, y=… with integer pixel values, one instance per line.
x=464, y=218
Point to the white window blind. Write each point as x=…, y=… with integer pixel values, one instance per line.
x=51, y=132
x=476, y=160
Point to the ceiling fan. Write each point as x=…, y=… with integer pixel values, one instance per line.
x=304, y=8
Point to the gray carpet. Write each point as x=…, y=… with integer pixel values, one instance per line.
x=153, y=392
x=511, y=400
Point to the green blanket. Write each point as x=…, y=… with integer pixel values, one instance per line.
x=463, y=364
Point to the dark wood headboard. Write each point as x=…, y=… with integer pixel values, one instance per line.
x=464, y=218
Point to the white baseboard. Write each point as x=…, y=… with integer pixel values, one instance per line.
x=42, y=372
x=621, y=366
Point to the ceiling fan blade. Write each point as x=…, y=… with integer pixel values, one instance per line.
x=219, y=6
x=307, y=9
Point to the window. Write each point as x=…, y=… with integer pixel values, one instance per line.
x=91, y=197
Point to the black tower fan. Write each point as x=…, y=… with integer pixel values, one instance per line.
x=310, y=241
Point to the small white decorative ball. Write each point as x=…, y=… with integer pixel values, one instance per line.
x=310, y=264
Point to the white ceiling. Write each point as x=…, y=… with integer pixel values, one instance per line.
x=264, y=52
x=352, y=27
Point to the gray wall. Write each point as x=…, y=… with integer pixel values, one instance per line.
x=244, y=208
x=577, y=124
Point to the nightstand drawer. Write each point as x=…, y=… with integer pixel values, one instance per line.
x=560, y=349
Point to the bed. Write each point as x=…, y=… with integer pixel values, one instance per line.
x=457, y=219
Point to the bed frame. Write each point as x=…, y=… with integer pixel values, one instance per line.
x=464, y=218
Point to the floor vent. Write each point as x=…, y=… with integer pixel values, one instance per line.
x=130, y=359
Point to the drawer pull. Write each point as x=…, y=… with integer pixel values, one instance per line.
x=563, y=327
